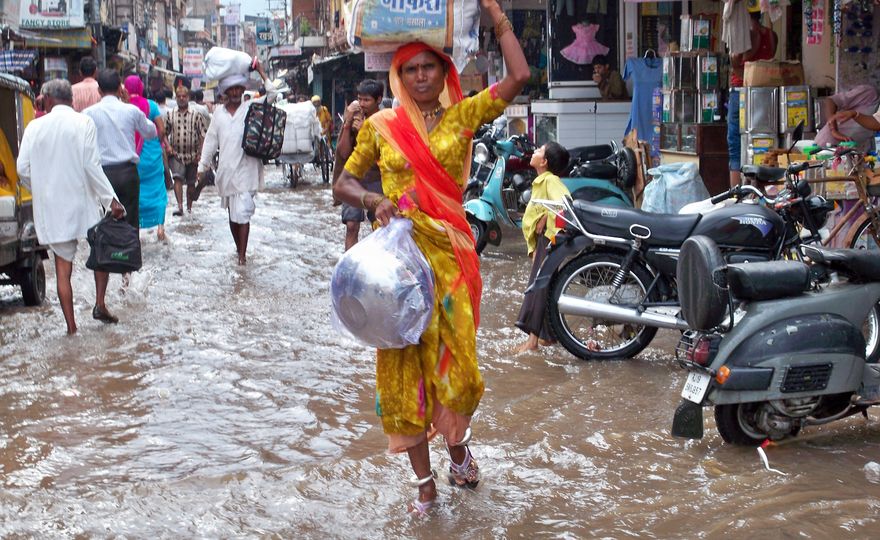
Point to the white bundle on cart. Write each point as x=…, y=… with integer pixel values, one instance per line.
x=302, y=128
x=452, y=26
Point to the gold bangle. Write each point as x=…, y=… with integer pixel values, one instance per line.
x=376, y=202
x=502, y=26
x=363, y=199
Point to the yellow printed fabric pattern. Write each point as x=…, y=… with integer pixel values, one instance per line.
x=444, y=363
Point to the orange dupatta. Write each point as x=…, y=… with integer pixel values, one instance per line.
x=438, y=193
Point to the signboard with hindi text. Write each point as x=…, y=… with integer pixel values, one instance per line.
x=54, y=14
x=193, y=58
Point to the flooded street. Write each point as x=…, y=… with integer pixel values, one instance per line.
x=225, y=405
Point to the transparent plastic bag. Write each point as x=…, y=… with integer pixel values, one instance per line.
x=674, y=185
x=382, y=289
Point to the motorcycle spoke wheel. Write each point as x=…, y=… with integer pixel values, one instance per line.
x=871, y=331
x=590, y=277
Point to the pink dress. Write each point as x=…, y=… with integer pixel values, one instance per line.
x=584, y=47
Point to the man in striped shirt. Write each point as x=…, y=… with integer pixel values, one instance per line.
x=186, y=132
x=86, y=92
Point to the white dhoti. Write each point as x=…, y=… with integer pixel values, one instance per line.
x=241, y=206
x=65, y=250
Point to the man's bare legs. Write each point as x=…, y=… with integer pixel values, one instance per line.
x=352, y=229
x=240, y=233
x=178, y=194
x=63, y=271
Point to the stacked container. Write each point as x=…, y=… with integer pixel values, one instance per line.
x=758, y=122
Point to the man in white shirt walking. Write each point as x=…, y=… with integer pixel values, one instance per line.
x=117, y=123
x=239, y=176
x=59, y=162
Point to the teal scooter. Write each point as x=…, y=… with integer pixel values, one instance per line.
x=500, y=185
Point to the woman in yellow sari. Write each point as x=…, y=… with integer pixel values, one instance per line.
x=423, y=150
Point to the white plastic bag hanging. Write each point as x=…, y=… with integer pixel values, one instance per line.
x=673, y=186
x=382, y=289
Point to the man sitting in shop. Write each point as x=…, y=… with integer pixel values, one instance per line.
x=610, y=82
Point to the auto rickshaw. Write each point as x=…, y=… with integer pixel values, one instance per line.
x=21, y=255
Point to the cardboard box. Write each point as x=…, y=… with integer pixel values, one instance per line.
x=774, y=73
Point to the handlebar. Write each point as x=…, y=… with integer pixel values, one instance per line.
x=740, y=192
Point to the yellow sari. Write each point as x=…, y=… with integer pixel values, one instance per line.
x=434, y=386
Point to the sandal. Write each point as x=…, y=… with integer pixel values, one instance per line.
x=465, y=475
x=422, y=507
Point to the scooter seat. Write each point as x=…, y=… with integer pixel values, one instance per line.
x=666, y=230
x=856, y=264
x=605, y=171
x=769, y=280
x=762, y=173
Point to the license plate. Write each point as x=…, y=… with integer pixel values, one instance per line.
x=695, y=387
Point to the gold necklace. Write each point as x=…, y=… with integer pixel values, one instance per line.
x=432, y=114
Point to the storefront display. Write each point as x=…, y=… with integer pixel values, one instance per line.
x=582, y=30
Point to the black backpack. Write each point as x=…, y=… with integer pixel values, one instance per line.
x=263, y=131
x=115, y=245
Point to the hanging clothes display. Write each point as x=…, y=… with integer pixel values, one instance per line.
x=584, y=47
x=646, y=74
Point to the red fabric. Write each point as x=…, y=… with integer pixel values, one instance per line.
x=438, y=193
x=765, y=52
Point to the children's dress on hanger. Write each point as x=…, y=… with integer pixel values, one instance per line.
x=584, y=47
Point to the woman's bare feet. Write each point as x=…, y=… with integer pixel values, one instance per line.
x=160, y=234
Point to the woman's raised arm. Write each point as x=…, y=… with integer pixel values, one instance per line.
x=517, y=68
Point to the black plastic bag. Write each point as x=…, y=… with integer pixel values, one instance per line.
x=116, y=247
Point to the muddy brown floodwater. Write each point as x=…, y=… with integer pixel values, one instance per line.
x=224, y=405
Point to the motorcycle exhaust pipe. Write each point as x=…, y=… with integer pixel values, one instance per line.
x=572, y=305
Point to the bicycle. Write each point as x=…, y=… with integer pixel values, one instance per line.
x=323, y=160
x=866, y=226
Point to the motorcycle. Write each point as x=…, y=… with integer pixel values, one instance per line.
x=796, y=355
x=610, y=273
x=500, y=188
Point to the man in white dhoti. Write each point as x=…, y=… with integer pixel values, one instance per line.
x=238, y=176
x=59, y=162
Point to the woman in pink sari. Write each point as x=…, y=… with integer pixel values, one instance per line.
x=151, y=168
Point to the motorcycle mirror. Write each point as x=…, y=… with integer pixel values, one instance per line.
x=797, y=135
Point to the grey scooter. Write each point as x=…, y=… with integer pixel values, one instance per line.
x=796, y=355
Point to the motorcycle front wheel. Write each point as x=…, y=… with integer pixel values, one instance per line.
x=589, y=277
x=480, y=232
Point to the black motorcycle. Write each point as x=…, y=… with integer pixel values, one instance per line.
x=611, y=272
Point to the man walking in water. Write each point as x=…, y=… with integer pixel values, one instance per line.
x=369, y=96
x=186, y=129
x=239, y=176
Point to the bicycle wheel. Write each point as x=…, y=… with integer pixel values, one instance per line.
x=859, y=235
x=324, y=159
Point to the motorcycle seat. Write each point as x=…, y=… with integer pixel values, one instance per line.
x=605, y=171
x=762, y=173
x=667, y=230
x=769, y=280
x=590, y=153
x=856, y=264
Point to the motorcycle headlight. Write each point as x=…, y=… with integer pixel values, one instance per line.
x=481, y=154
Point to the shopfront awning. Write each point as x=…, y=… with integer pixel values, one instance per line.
x=12, y=61
x=80, y=38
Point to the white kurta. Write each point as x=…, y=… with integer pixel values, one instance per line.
x=60, y=163
x=236, y=171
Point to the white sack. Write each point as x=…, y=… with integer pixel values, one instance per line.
x=221, y=62
x=301, y=129
x=673, y=186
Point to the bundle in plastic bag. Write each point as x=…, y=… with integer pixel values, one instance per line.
x=221, y=62
x=451, y=26
x=301, y=129
x=382, y=289
x=673, y=186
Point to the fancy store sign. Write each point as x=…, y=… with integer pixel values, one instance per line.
x=53, y=14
